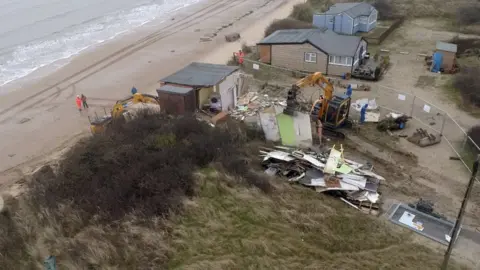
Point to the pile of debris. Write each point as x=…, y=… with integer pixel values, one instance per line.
x=393, y=121
x=422, y=138
x=327, y=172
x=252, y=102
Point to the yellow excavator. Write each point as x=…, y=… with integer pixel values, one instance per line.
x=332, y=110
x=125, y=110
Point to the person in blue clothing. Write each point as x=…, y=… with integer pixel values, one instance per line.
x=349, y=90
x=134, y=90
x=363, y=113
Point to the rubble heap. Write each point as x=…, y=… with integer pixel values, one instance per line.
x=327, y=171
x=422, y=138
x=393, y=121
x=253, y=102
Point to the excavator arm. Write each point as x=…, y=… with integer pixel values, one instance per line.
x=323, y=82
x=98, y=126
x=119, y=107
x=332, y=111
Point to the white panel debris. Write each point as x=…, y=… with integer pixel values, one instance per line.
x=327, y=171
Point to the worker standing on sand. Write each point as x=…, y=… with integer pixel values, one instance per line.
x=78, y=100
x=84, y=101
x=134, y=90
x=240, y=55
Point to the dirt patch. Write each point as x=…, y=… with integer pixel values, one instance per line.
x=425, y=81
x=385, y=143
x=407, y=181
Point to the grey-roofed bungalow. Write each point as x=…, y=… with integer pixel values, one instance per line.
x=313, y=50
x=203, y=79
x=348, y=18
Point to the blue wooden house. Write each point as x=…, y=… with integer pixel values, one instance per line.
x=348, y=18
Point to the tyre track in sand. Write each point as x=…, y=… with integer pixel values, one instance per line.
x=173, y=28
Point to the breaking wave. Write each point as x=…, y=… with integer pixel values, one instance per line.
x=24, y=59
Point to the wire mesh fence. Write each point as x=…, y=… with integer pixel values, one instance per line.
x=268, y=72
x=433, y=118
x=426, y=114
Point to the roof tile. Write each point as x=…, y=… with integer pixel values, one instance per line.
x=323, y=39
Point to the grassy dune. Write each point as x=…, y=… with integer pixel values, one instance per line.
x=149, y=197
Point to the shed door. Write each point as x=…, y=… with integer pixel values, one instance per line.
x=175, y=104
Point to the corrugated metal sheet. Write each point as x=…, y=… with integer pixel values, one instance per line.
x=352, y=9
x=449, y=47
x=325, y=40
x=200, y=74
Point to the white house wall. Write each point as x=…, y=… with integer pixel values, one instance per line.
x=226, y=89
x=269, y=125
x=301, y=124
x=303, y=129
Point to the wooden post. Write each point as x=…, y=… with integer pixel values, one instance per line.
x=459, y=220
x=319, y=131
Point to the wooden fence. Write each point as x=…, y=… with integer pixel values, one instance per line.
x=375, y=40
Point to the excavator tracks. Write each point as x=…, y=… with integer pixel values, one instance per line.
x=333, y=133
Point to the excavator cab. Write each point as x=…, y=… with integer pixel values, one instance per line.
x=337, y=111
x=332, y=110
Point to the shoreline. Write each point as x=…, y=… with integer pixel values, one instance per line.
x=34, y=122
x=43, y=71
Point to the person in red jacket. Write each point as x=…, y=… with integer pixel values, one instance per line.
x=78, y=100
x=240, y=55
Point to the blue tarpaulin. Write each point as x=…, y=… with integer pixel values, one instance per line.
x=437, y=62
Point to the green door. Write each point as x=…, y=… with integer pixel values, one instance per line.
x=287, y=129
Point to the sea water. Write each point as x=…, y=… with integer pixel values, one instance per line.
x=38, y=33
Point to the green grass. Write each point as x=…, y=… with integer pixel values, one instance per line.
x=321, y=5
x=453, y=94
x=468, y=152
x=228, y=227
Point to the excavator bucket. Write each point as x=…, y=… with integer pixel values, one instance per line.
x=292, y=103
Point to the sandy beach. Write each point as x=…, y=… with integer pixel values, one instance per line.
x=39, y=118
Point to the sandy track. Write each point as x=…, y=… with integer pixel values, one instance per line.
x=175, y=27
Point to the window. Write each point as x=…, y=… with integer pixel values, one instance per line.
x=349, y=61
x=340, y=60
x=373, y=17
x=310, y=57
x=355, y=21
x=363, y=19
